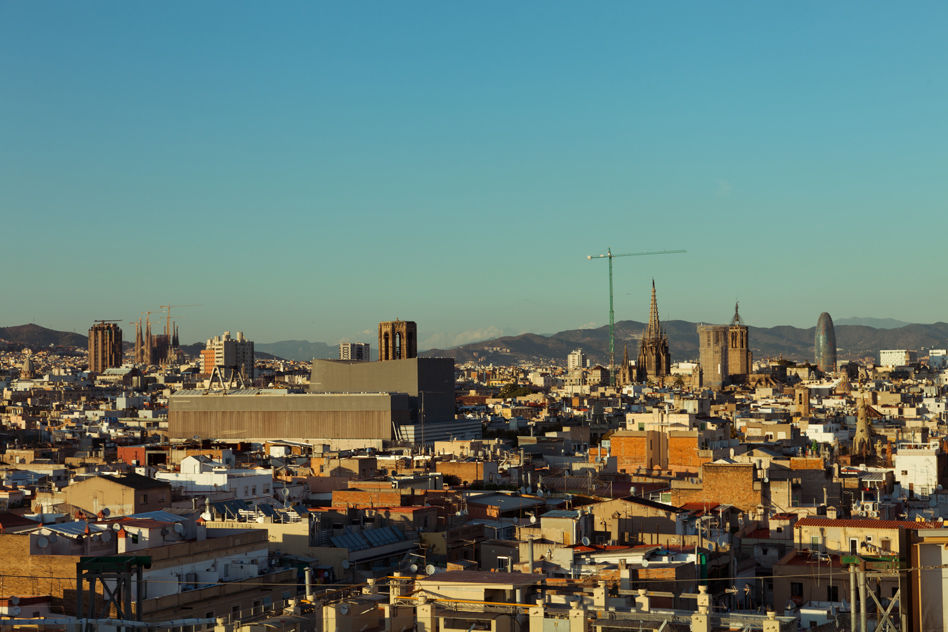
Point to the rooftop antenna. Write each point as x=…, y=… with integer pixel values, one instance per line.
x=612, y=319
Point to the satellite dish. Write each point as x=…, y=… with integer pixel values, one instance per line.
x=116, y=526
x=179, y=528
x=285, y=492
x=14, y=600
x=430, y=569
x=15, y=610
x=644, y=563
x=343, y=609
x=106, y=512
x=585, y=541
x=106, y=536
x=346, y=564
x=42, y=542
x=413, y=568
x=52, y=538
x=533, y=519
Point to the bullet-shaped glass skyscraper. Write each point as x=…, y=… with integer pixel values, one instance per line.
x=825, y=344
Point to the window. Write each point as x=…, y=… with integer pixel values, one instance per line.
x=868, y=539
x=796, y=589
x=886, y=544
x=853, y=546
x=832, y=593
x=815, y=542
x=144, y=498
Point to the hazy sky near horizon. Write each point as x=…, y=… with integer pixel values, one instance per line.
x=306, y=169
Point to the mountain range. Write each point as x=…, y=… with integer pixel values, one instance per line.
x=852, y=341
x=793, y=343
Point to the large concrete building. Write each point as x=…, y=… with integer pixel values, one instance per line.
x=105, y=346
x=350, y=404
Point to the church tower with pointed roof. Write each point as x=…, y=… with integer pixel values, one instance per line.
x=653, y=362
x=738, y=354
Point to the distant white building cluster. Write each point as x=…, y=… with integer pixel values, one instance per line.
x=576, y=360
x=897, y=357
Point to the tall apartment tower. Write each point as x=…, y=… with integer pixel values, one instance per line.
x=712, y=350
x=398, y=340
x=738, y=354
x=576, y=359
x=105, y=346
x=357, y=351
x=229, y=355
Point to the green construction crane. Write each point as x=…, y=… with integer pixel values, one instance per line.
x=612, y=314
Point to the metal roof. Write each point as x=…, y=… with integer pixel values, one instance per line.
x=367, y=539
x=561, y=513
x=161, y=516
x=76, y=528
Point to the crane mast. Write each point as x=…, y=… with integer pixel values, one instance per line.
x=612, y=314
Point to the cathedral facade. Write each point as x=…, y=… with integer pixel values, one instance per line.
x=653, y=362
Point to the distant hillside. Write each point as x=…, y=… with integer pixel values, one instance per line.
x=36, y=337
x=300, y=350
x=878, y=323
x=853, y=341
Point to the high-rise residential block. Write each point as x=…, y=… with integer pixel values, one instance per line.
x=105, y=346
x=229, y=355
x=357, y=351
x=576, y=360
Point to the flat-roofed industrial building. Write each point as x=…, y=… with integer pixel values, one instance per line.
x=350, y=404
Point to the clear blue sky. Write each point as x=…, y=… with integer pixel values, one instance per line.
x=304, y=170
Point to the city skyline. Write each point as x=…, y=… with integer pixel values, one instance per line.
x=299, y=170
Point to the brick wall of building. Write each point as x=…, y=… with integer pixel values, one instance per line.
x=729, y=484
x=684, y=454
